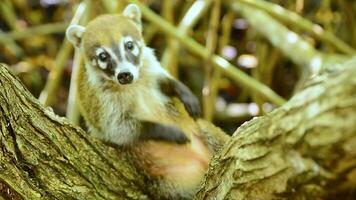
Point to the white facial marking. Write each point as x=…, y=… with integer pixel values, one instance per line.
x=135, y=51
x=154, y=67
x=122, y=49
x=139, y=43
x=112, y=54
x=128, y=39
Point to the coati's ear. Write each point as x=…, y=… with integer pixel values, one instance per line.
x=133, y=12
x=74, y=34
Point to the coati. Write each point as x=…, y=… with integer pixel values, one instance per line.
x=128, y=99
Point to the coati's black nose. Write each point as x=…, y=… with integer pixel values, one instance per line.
x=125, y=77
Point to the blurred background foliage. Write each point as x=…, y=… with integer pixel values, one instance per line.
x=279, y=43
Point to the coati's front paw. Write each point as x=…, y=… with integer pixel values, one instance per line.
x=191, y=104
x=156, y=131
x=174, y=88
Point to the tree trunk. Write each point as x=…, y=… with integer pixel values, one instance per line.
x=43, y=156
x=305, y=149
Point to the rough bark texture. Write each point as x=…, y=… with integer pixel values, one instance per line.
x=42, y=156
x=305, y=149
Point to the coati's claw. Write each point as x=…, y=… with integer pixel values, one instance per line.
x=191, y=104
x=172, y=87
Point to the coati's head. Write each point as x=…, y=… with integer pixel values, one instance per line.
x=112, y=44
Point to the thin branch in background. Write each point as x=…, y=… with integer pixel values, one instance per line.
x=211, y=43
x=350, y=16
x=299, y=5
x=8, y=14
x=295, y=20
x=11, y=45
x=227, y=68
x=54, y=77
x=223, y=41
x=291, y=44
x=262, y=54
x=149, y=32
x=113, y=6
x=110, y=6
x=58, y=27
x=172, y=64
x=49, y=92
x=72, y=112
x=191, y=17
x=267, y=60
x=309, y=60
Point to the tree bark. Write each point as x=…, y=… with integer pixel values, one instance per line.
x=305, y=149
x=43, y=156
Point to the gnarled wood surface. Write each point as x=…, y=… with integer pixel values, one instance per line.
x=42, y=156
x=305, y=149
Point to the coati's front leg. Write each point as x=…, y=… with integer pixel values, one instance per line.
x=156, y=131
x=172, y=87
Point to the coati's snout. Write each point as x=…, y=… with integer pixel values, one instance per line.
x=125, y=77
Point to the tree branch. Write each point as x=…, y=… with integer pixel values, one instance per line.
x=44, y=156
x=302, y=150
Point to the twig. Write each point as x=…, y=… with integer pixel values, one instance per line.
x=296, y=20
x=11, y=45
x=54, y=77
x=223, y=41
x=171, y=64
x=211, y=43
x=9, y=15
x=348, y=11
x=228, y=69
x=194, y=13
x=149, y=32
x=72, y=112
x=110, y=5
x=72, y=109
x=291, y=44
x=44, y=29
x=267, y=59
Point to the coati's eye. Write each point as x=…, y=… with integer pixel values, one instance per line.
x=103, y=56
x=129, y=45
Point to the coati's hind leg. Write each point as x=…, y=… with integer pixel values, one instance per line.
x=156, y=131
